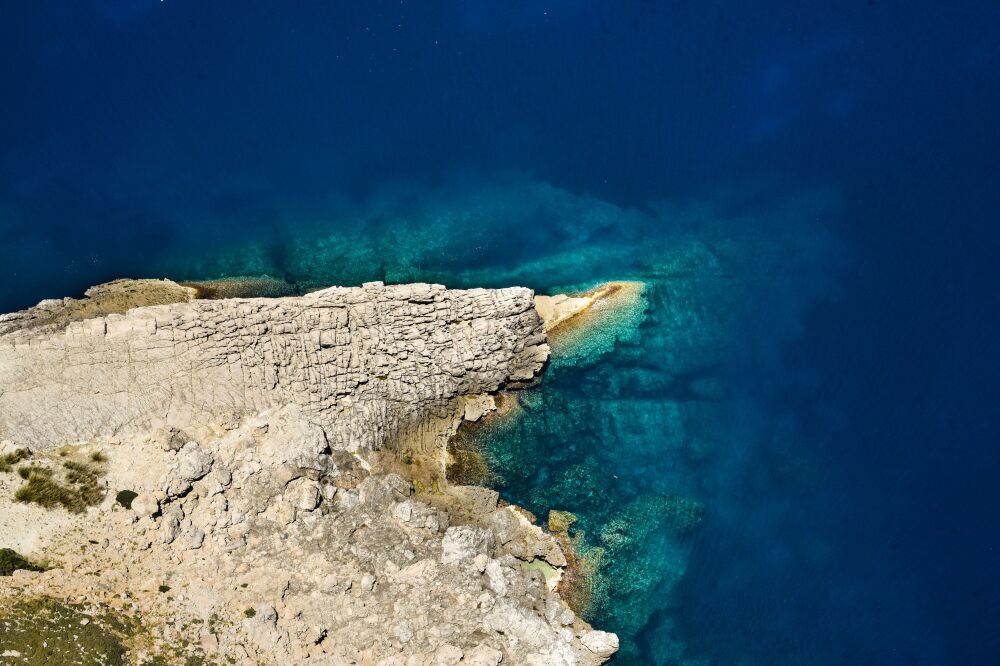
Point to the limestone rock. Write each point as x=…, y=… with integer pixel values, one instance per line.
x=145, y=504
x=477, y=406
x=191, y=464
x=253, y=432
x=8, y=446
x=483, y=655
x=366, y=365
x=448, y=655
x=168, y=438
x=465, y=542
x=517, y=536
x=479, y=501
x=560, y=521
x=601, y=643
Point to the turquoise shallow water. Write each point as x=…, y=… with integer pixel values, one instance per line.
x=632, y=428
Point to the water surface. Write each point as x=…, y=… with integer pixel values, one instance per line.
x=788, y=450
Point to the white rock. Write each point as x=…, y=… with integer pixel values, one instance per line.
x=266, y=613
x=485, y=602
x=320, y=355
x=479, y=562
x=347, y=499
x=170, y=529
x=145, y=504
x=477, y=406
x=465, y=541
x=192, y=462
x=448, y=655
x=304, y=494
x=494, y=573
x=195, y=538
x=8, y=446
x=403, y=632
x=283, y=403
x=403, y=511
x=476, y=499
x=602, y=643
x=483, y=655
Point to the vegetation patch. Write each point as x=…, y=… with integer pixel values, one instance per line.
x=468, y=464
x=11, y=561
x=43, y=630
x=8, y=461
x=77, y=487
x=125, y=497
x=25, y=471
x=537, y=564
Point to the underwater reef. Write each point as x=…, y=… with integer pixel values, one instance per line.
x=632, y=426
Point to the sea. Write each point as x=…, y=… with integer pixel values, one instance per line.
x=784, y=447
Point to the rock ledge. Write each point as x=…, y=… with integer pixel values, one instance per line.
x=262, y=439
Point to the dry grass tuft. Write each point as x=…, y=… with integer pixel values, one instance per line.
x=8, y=461
x=78, y=487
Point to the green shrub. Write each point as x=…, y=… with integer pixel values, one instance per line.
x=164, y=588
x=80, y=472
x=125, y=497
x=51, y=631
x=98, y=457
x=11, y=561
x=45, y=492
x=249, y=612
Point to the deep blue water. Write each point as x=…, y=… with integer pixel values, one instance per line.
x=808, y=190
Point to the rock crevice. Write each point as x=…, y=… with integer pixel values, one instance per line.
x=265, y=523
x=370, y=365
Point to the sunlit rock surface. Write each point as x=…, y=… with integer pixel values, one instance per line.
x=368, y=364
x=252, y=505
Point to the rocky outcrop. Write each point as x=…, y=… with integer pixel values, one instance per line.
x=118, y=297
x=263, y=524
x=372, y=366
x=560, y=308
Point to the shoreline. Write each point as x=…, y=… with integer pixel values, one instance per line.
x=568, y=319
x=505, y=547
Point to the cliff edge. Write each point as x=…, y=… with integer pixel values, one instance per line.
x=260, y=480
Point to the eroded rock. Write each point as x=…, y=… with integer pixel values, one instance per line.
x=368, y=365
x=262, y=510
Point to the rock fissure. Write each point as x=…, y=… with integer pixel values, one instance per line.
x=268, y=447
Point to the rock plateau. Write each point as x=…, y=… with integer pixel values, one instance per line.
x=270, y=477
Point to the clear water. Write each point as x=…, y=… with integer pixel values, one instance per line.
x=787, y=450
x=640, y=424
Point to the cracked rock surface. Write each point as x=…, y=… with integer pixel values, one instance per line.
x=370, y=365
x=266, y=526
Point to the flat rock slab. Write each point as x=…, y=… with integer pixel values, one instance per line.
x=370, y=365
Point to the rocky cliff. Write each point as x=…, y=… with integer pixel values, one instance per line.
x=232, y=480
x=369, y=365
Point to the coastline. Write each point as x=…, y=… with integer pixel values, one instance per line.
x=467, y=512
x=571, y=322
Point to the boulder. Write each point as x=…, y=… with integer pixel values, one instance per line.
x=602, y=643
x=145, y=504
